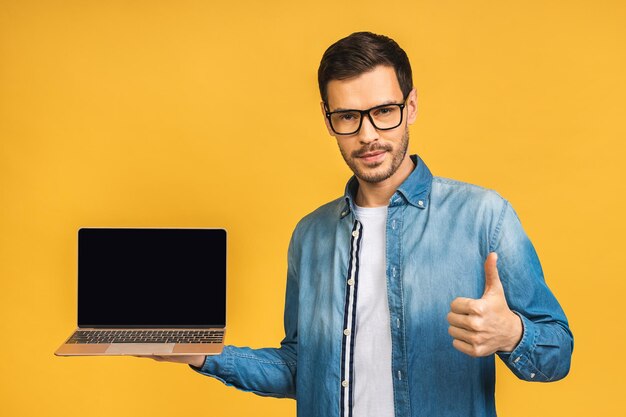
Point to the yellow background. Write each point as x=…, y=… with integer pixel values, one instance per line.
x=201, y=113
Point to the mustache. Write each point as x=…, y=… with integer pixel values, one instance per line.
x=367, y=149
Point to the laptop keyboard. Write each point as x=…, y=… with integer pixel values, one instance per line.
x=147, y=336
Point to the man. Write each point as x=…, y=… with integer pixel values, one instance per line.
x=400, y=292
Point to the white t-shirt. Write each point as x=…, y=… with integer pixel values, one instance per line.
x=373, y=385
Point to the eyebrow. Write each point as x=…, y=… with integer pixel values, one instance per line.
x=381, y=104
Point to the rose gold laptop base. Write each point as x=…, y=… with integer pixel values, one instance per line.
x=134, y=349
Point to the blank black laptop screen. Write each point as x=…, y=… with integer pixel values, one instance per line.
x=151, y=277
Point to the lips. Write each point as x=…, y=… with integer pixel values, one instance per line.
x=370, y=154
x=372, y=157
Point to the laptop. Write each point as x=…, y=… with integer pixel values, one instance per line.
x=150, y=291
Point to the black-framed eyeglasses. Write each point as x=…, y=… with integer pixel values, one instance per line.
x=382, y=117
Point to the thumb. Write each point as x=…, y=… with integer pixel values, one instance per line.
x=493, y=286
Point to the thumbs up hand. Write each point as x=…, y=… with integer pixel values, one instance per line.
x=484, y=326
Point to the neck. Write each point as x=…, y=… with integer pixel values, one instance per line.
x=378, y=194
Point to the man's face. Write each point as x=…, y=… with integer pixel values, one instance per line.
x=373, y=155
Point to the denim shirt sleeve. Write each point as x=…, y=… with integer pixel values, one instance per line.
x=544, y=351
x=267, y=372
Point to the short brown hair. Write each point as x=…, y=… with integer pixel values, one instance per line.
x=360, y=52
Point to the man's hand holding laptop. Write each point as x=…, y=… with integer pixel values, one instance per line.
x=193, y=360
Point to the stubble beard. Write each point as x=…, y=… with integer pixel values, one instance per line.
x=372, y=174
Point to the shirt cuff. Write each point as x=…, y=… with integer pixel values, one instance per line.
x=217, y=366
x=520, y=359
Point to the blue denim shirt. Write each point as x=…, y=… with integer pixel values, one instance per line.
x=439, y=232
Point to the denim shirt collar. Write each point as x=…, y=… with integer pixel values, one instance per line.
x=414, y=190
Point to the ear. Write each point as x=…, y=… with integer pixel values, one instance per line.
x=411, y=105
x=330, y=130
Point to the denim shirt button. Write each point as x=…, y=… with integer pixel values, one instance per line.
x=351, y=281
x=393, y=224
x=355, y=234
x=420, y=203
x=344, y=383
x=346, y=332
x=532, y=375
x=517, y=359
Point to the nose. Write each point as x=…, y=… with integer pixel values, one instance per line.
x=368, y=132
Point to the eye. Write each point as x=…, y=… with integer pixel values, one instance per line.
x=348, y=117
x=385, y=111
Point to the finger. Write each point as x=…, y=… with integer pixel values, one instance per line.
x=462, y=334
x=158, y=358
x=469, y=306
x=460, y=320
x=493, y=285
x=462, y=305
x=463, y=347
x=475, y=351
